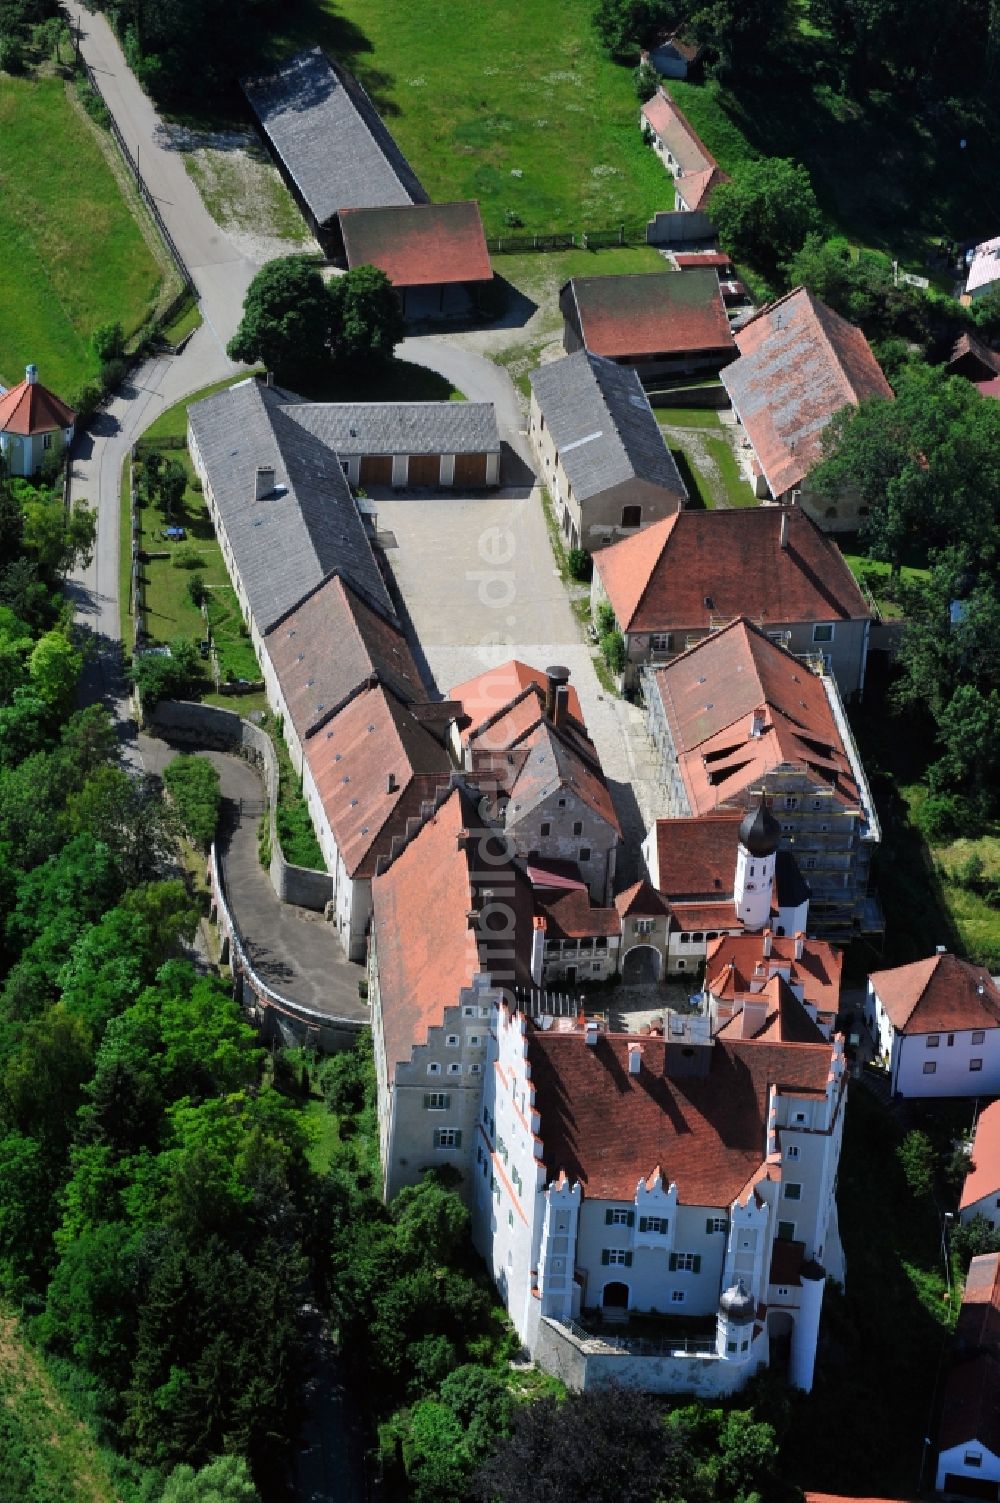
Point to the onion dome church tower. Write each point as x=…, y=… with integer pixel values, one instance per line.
x=755, y=858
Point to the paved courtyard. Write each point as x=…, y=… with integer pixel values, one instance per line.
x=479, y=585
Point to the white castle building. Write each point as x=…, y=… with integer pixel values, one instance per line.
x=659, y=1175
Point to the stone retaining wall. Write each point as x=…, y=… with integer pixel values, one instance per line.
x=210, y=728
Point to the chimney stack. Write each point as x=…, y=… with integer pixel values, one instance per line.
x=264, y=484
x=537, y=950
x=590, y=1031
x=634, y=1059
x=390, y=783
x=554, y=677
x=800, y=941
x=783, y=534
x=768, y=939
x=31, y=374
x=757, y=720
x=561, y=710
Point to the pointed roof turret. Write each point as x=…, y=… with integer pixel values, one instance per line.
x=31, y=408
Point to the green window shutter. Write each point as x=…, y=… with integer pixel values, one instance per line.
x=709, y=1224
x=447, y=1101
x=642, y=1223
x=631, y=1218
x=664, y=1227
x=628, y=1260
x=427, y=1102
x=697, y=1263
x=609, y=1216
x=437, y=1138
x=672, y=1265
x=605, y=1257
x=458, y=1140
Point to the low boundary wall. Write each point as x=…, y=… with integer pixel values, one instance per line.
x=224, y=730
x=280, y=1019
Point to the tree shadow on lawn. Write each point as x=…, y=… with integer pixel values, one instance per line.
x=886, y=173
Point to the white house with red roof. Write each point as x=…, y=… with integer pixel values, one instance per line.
x=695, y=171
x=34, y=422
x=666, y=1174
x=681, y=578
x=969, y=1431
x=936, y=1027
x=981, y=1190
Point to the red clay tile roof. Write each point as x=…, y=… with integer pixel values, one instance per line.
x=692, y=918
x=970, y=1407
x=419, y=245
x=426, y=949
x=697, y=856
x=974, y=356
x=978, y=1324
x=483, y=698
x=553, y=875
x=709, y=696
x=607, y=1128
x=699, y=171
x=799, y=364
x=330, y=644
x=641, y=898
x=787, y=1022
x=938, y=995
x=30, y=408
x=688, y=260
x=572, y=916
x=373, y=738
x=983, y=1177
x=786, y=1263
x=818, y=972
x=989, y=388
x=659, y=579
x=651, y=313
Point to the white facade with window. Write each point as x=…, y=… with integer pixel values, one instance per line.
x=555, y=1253
x=964, y=1062
x=968, y=1462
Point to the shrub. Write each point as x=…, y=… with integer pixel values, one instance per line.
x=112, y=374
x=581, y=565
x=943, y=816
x=188, y=558
x=193, y=784
x=86, y=402
x=916, y=1156
x=975, y=1237
x=343, y=1079
x=108, y=341
x=196, y=589
x=970, y=875
x=11, y=55
x=613, y=651
x=512, y=220
x=604, y=618
x=646, y=80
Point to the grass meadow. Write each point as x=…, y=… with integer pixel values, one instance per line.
x=513, y=103
x=71, y=253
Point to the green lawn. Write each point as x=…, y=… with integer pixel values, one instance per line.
x=876, y=576
x=512, y=103
x=169, y=609
x=977, y=923
x=184, y=322
x=71, y=254
x=705, y=457
x=49, y=1453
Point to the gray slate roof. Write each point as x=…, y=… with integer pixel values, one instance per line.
x=288, y=543
x=401, y=427
x=603, y=426
x=330, y=137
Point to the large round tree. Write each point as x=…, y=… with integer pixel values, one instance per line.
x=286, y=321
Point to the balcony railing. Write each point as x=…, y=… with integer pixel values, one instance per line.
x=643, y=1346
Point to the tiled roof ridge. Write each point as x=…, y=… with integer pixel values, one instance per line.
x=342, y=75
x=505, y=708
x=815, y=305
x=456, y=783
x=770, y=307
x=605, y=361
x=685, y=122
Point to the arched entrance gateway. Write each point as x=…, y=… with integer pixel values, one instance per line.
x=642, y=964
x=615, y=1296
